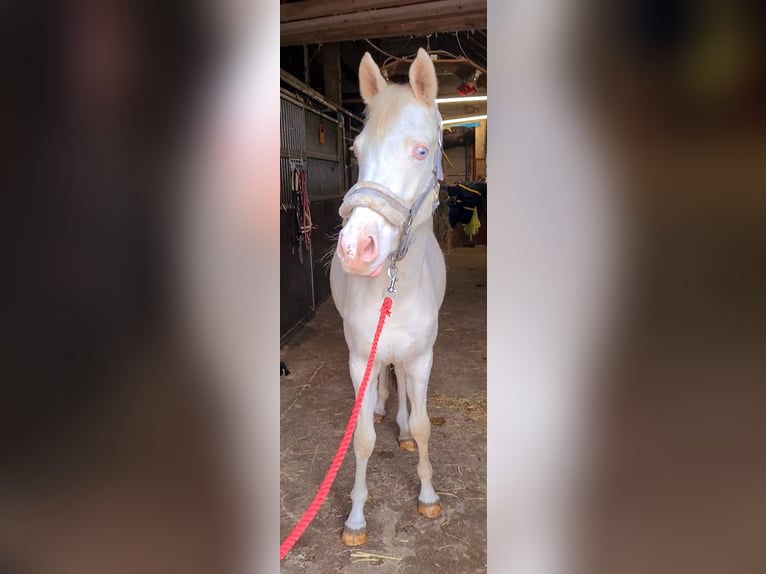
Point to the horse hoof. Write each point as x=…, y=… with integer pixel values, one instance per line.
x=353, y=537
x=379, y=418
x=429, y=510
x=408, y=444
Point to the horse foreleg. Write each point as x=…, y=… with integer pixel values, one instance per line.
x=355, y=529
x=417, y=375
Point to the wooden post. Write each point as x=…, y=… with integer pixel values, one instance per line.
x=306, y=65
x=331, y=73
x=481, y=150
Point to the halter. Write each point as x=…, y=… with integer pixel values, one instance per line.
x=382, y=200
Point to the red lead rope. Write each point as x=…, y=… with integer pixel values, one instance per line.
x=324, y=489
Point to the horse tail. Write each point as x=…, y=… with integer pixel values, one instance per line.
x=388, y=377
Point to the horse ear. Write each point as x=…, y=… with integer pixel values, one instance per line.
x=423, y=78
x=371, y=81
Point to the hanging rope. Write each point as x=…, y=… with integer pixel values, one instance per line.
x=305, y=212
x=324, y=489
x=303, y=222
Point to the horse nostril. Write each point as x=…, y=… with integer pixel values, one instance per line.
x=345, y=248
x=368, y=251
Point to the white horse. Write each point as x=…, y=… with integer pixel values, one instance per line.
x=388, y=225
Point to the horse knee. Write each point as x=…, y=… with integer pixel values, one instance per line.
x=363, y=450
x=364, y=443
x=420, y=427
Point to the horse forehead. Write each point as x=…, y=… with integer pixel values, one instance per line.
x=413, y=121
x=415, y=117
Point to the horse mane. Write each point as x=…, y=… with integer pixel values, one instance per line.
x=385, y=107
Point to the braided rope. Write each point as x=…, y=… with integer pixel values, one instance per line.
x=324, y=489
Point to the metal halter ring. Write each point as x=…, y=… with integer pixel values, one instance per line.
x=391, y=289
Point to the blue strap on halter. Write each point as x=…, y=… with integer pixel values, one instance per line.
x=438, y=158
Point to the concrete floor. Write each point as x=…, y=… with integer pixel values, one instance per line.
x=316, y=400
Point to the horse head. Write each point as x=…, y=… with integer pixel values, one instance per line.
x=399, y=157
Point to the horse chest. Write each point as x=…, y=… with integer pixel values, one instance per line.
x=406, y=333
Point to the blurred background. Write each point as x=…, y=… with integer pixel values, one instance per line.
x=679, y=89
x=109, y=434
x=674, y=92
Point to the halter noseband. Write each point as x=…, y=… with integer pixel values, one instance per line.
x=382, y=200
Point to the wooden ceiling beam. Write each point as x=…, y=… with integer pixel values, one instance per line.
x=416, y=19
x=308, y=9
x=423, y=28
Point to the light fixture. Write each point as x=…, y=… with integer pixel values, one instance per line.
x=469, y=87
x=465, y=119
x=458, y=100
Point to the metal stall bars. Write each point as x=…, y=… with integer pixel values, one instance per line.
x=296, y=295
x=313, y=142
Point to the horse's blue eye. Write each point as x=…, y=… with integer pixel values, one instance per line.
x=421, y=152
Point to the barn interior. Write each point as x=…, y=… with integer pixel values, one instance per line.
x=321, y=48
